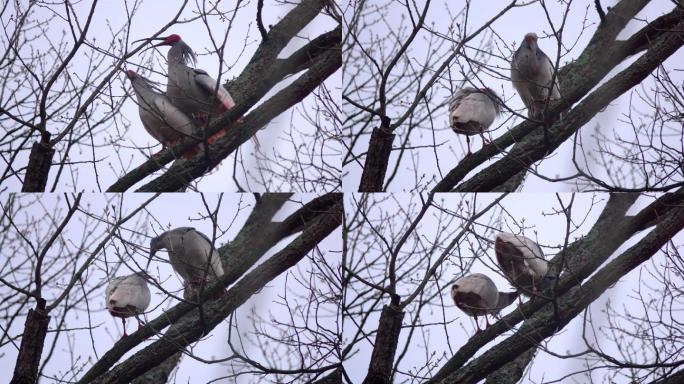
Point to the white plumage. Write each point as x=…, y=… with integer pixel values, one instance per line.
x=522, y=261
x=531, y=74
x=477, y=295
x=127, y=296
x=161, y=119
x=192, y=90
x=190, y=253
x=472, y=111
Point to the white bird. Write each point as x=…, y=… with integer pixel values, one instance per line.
x=127, y=296
x=161, y=119
x=531, y=74
x=477, y=295
x=472, y=111
x=192, y=90
x=522, y=261
x=191, y=255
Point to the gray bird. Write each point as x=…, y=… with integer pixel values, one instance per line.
x=192, y=90
x=191, y=255
x=531, y=73
x=127, y=296
x=472, y=111
x=523, y=262
x=477, y=295
x=161, y=119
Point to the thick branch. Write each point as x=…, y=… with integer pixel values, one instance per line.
x=545, y=322
x=186, y=331
x=534, y=148
x=28, y=359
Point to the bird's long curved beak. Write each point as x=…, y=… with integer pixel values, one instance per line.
x=148, y=39
x=153, y=251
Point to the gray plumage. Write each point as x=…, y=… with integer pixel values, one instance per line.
x=192, y=90
x=522, y=262
x=472, y=111
x=161, y=119
x=477, y=295
x=127, y=296
x=190, y=253
x=531, y=74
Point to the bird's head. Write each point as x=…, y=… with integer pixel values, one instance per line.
x=155, y=245
x=168, y=40
x=454, y=291
x=531, y=40
x=131, y=74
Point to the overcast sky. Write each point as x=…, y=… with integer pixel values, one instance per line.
x=188, y=210
x=535, y=212
x=511, y=28
x=243, y=39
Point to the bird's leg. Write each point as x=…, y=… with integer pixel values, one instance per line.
x=484, y=140
x=140, y=322
x=123, y=321
x=160, y=151
x=487, y=321
x=478, y=326
x=468, y=143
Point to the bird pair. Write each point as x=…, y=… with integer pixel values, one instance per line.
x=472, y=111
x=191, y=98
x=523, y=264
x=191, y=255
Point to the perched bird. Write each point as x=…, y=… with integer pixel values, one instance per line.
x=161, y=119
x=192, y=90
x=531, y=73
x=477, y=295
x=127, y=296
x=472, y=110
x=191, y=255
x=522, y=261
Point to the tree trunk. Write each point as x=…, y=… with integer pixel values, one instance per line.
x=38, y=168
x=375, y=167
x=382, y=360
x=35, y=329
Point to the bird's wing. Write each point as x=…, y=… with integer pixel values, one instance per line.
x=209, y=85
x=173, y=116
x=215, y=261
x=215, y=257
x=521, y=84
x=533, y=256
x=547, y=68
x=476, y=107
x=130, y=291
x=111, y=287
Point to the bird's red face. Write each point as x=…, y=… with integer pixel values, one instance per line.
x=531, y=39
x=170, y=40
x=131, y=74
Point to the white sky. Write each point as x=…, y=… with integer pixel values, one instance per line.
x=187, y=211
x=535, y=211
x=511, y=28
x=243, y=40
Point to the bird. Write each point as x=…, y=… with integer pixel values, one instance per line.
x=477, y=295
x=161, y=119
x=191, y=254
x=531, y=74
x=192, y=90
x=473, y=110
x=127, y=296
x=522, y=262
